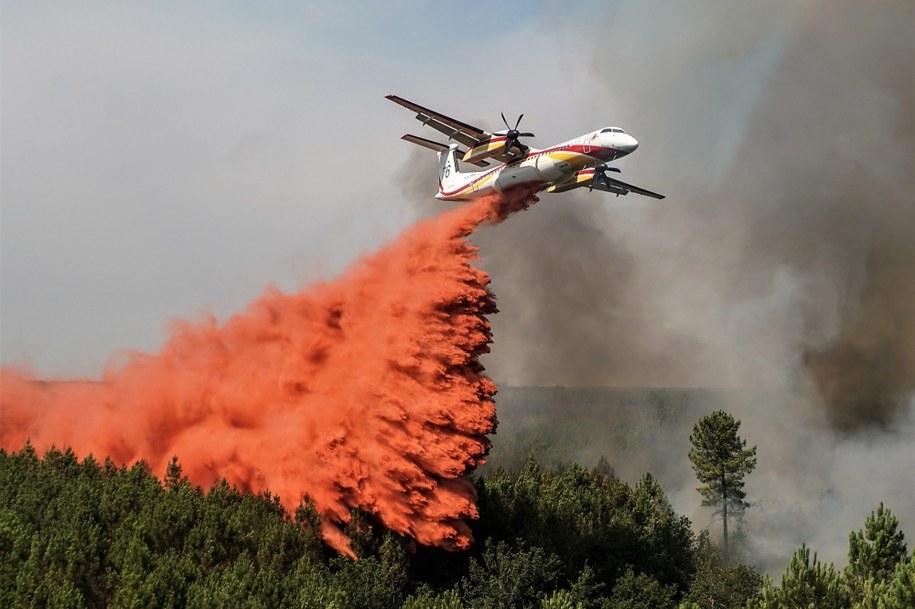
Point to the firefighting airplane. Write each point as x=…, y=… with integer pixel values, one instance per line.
x=581, y=161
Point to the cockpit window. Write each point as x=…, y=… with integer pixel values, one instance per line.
x=612, y=130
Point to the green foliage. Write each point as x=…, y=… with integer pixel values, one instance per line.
x=874, y=552
x=561, y=599
x=879, y=574
x=586, y=518
x=85, y=534
x=805, y=583
x=721, y=460
x=510, y=576
x=587, y=590
x=378, y=579
x=635, y=591
x=901, y=590
x=716, y=584
x=173, y=475
x=449, y=599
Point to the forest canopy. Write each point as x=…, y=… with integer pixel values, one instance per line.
x=93, y=534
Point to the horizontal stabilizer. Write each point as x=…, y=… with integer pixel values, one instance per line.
x=453, y=128
x=438, y=147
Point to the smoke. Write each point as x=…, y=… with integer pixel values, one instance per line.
x=789, y=220
x=842, y=216
x=365, y=392
x=782, y=263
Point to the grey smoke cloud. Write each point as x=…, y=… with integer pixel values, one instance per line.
x=783, y=261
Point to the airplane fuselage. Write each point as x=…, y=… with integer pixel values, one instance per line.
x=548, y=167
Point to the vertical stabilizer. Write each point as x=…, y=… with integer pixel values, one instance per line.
x=449, y=178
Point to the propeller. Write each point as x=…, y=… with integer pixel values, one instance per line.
x=600, y=173
x=512, y=135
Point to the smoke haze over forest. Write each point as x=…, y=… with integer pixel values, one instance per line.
x=788, y=274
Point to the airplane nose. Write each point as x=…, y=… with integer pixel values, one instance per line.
x=628, y=144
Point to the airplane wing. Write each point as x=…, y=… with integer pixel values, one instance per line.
x=474, y=138
x=608, y=184
x=601, y=181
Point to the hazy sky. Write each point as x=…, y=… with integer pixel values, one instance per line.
x=166, y=159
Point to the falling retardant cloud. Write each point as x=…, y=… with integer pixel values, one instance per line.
x=365, y=392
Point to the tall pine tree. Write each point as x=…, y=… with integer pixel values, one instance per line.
x=805, y=583
x=721, y=460
x=874, y=552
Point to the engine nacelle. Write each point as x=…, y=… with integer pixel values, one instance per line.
x=491, y=147
x=553, y=169
x=581, y=178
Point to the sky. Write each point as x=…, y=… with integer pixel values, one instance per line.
x=169, y=160
x=163, y=160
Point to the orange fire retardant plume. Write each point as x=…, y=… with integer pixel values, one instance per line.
x=364, y=392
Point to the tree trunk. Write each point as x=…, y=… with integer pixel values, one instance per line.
x=724, y=517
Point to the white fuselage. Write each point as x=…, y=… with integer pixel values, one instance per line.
x=547, y=167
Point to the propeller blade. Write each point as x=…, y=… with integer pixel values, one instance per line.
x=512, y=135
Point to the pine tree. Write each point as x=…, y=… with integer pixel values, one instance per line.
x=874, y=552
x=634, y=591
x=717, y=585
x=560, y=599
x=902, y=588
x=173, y=474
x=805, y=583
x=721, y=460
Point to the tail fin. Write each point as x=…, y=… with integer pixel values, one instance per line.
x=449, y=178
